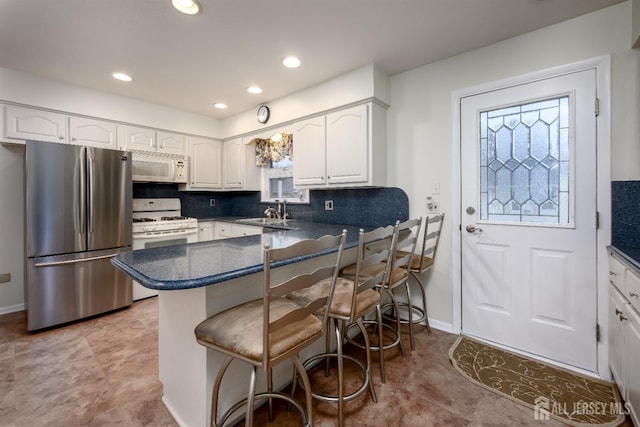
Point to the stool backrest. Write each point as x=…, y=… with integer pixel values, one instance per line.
x=374, y=249
x=326, y=262
x=431, y=237
x=403, y=250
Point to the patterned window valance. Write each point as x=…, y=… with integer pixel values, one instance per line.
x=273, y=149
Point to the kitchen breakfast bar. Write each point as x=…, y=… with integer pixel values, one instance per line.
x=198, y=280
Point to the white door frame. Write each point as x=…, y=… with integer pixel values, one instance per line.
x=602, y=65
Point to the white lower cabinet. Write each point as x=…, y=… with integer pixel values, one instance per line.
x=227, y=230
x=206, y=231
x=624, y=333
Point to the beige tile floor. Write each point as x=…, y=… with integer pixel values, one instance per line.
x=104, y=372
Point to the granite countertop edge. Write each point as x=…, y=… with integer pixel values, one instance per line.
x=629, y=254
x=153, y=268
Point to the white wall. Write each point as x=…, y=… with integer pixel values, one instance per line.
x=363, y=83
x=420, y=117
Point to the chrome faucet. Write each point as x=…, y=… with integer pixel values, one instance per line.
x=270, y=212
x=284, y=214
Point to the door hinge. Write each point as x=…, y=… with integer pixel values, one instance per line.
x=597, y=107
x=597, y=332
x=597, y=220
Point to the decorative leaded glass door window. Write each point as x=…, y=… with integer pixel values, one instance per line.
x=525, y=163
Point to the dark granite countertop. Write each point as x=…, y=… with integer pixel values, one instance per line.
x=629, y=254
x=200, y=264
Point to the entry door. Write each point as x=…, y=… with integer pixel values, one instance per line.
x=528, y=177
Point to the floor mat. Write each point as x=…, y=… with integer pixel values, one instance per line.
x=550, y=391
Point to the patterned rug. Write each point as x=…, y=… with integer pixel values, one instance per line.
x=549, y=391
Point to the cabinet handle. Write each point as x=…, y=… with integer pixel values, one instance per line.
x=618, y=312
x=621, y=317
x=61, y=137
x=633, y=294
x=611, y=273
x=74, y=139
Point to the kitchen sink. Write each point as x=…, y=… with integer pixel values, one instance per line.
x=283, y=224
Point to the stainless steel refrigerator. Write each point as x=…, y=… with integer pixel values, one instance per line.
x=78, y=216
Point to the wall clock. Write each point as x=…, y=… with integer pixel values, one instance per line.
x=263, y=114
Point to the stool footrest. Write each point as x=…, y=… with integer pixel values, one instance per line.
x=346, y=397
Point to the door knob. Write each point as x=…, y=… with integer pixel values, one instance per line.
x=473, y=229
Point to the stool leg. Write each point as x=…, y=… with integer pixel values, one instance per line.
x=338, y=329
x=423, y=293
x=270, y=390
x=250, y=397
x=410, y=313
x=381, y=342
x=363, y=330
x=396, y=308
x=308, y=417
x=216, y=390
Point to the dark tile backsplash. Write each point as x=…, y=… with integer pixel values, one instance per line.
x=362, y=206
x=625, y=211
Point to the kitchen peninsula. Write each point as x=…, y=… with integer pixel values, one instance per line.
x=197, y=280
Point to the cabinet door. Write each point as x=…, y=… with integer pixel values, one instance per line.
x=233, y=161
x=617, y=274
x=240, y=230
x=206, y=163
x=92, y=133
x=348, y=146
x=26, y=123
x=309, y=152
x=206, y=231
x=136, y=138
x=633, y=289
x=632, y=338
x=223, y=230
x=616, y=336
x=171, y=143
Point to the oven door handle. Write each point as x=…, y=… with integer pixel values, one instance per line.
x=155, y=235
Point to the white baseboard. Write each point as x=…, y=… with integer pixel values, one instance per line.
x=12, y=308
x=441, y=326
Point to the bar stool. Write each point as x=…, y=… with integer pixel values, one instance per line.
x=272, y=329
x=404, y=250
x=421, y=262
x=352, y=300
x=392, y=278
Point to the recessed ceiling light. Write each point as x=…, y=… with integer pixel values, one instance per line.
x=291, y=62
x=220, y=105
x=254, y=89
x=190, y=7
x=122, y=77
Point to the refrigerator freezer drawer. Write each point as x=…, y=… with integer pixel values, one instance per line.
x=61, y=289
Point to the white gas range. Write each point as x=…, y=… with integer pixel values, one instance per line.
x=156, y=223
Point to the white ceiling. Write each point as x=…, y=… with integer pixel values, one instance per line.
x=190, y=62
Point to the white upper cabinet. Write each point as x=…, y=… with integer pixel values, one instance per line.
x=92, y=133
x=345, y=148
x=309, y=153
x=205, y=166
x=22, y=124
x=233, y=163
x=136, y=138
x=171, y=143
x=348, y=146
x=146, y=139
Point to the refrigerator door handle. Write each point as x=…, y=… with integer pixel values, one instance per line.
x=91, y=193
x=73, y=261
x=82, y=209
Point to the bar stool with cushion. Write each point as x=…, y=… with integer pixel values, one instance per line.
x=421, y=262
x=408, y=234
x=352, y=300
x=392, y=277
x=270, y=330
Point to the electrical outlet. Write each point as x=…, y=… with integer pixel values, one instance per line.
x=328, y=205
x=435, y=188
x=212, y=202
x=432, y=204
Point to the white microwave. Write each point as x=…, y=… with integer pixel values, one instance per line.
x=158, y=167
